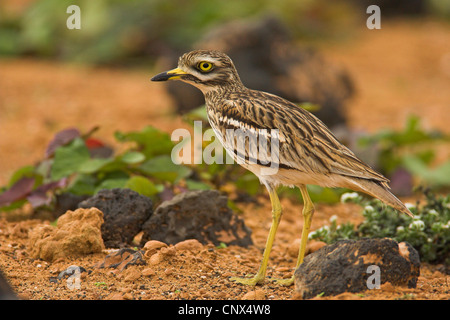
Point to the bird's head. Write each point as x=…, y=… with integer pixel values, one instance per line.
x=205, y=69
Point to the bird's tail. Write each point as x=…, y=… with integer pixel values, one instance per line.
x=378, y=190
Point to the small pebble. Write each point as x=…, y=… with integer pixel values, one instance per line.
x=167, y=251
x=155, y=259
x=132, y=275
x=151, y=246
x=313, y=246
x=148, y=272
x=191, y=244
x=127, y=296
x=168, y=271
x=257, y=294
x=387, y=287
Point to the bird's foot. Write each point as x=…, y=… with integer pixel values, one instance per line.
x=257, y=279
x=253, y=281
x=284, y=282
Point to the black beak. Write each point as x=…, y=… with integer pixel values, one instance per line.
x=163, y=76
x=169, y=75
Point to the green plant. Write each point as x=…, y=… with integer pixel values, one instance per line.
x=129, y=31
x=222, y=245
x=428, y=232
x=72, y=165
x=101, y=285
x=411, y=149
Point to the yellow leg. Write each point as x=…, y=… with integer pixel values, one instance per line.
x=308, y=212
x=276, y=217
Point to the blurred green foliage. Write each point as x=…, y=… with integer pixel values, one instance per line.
x=128, y=31
x=121, y=31
x=439, y=8
x=414, y=149
x=146, y=166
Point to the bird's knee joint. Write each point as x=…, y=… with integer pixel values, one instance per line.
x=308, y=212
x=276, y=214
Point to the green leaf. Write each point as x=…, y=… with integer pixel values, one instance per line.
x=249, y=183
x=132, y=157
x=439, y=176
x=197, y=185
x=26, y=171
x=164, y=169
x=43, y=168
x=143, y=186
x=198, y=113
x=150, y=141
x=68, y=159
x=83, y=184
x=221, y=245
x=114, y=165
x=94, y=165
x=112, y=184
x=324, y=195
x=15, y=205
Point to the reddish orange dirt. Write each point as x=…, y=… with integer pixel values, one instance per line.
x=402, y=69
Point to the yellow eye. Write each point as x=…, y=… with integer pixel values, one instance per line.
x=205, y=66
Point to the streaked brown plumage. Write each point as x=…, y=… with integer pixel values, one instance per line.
x=308, y=152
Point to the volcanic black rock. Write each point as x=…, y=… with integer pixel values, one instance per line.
x=347, y=265
x=203, y=215
x=124, y=212
x=6, y=292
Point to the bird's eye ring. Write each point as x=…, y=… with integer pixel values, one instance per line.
x=205, y=66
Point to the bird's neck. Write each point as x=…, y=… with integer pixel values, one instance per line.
x=222, y=91
x=222, y=85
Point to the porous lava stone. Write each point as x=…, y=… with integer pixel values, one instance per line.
x=202, y=214
x=344, y=266
x=124, y=212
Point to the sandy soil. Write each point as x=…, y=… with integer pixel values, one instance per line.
x=402, y=69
